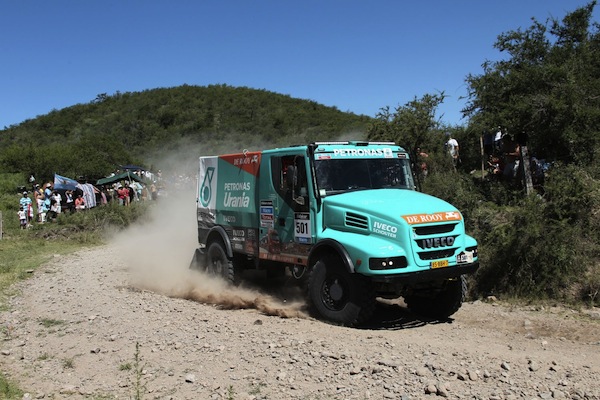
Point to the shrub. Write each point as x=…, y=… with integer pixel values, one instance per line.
x=542, y=247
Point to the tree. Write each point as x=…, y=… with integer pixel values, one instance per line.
x=546, y=90
x=412, y=125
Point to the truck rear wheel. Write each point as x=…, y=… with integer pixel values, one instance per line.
x=217, y=262
x=339, y=296
x=441, y=304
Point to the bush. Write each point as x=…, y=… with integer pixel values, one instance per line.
x=542, y=247
x=456, y=188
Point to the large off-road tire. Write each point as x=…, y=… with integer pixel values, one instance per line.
x=441, y=304
x=218, y=264
x=337, y=295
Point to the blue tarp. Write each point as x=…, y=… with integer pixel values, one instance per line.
x=63, y=183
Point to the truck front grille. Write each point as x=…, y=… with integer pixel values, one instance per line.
x=434, y=229
x=436, y=254
x=435, y=242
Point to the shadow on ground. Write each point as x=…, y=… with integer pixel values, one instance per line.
x=389, y=314
x=397, y=317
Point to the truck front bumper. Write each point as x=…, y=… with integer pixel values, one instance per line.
x=429, y=274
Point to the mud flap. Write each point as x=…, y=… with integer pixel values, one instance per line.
x=198, y=260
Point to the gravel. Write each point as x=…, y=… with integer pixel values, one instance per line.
x=130, y=320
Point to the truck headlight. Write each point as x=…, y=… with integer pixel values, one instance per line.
x=387, y=263
x=474, y=250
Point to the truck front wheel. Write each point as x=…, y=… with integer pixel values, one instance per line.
x=217, y=262
x=339, y=296
x=442, y=303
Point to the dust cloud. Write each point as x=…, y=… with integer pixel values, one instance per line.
x=159, y=251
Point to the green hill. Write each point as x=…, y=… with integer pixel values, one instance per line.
x=156, y=127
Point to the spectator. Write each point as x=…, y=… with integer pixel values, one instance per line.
x=79, y=203
x=38, y=194
x=27, y=204
x=498, y=141
x=453, y=150
x=153, y=191
x=512, y=157
x=22, y=217
x=48, y=195
x=495, y=167
x=69, y=201
x=421, y=159
x=123, y=194
x=130, y=193
x=55, y=204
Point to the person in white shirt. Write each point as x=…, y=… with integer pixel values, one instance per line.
x=453, y=150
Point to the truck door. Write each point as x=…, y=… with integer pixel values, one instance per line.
x=290, y=237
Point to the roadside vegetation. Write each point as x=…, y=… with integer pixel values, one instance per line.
x=542, y=245
x=23, y=251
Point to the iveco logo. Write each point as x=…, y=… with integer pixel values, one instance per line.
x=437, y=242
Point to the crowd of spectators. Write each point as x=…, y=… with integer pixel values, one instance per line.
x=44, y=204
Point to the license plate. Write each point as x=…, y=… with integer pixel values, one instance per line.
x=466, y=257
x=439, y=264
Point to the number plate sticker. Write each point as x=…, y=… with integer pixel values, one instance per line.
x=302, y=232
x=465, y=257
x=439, y=264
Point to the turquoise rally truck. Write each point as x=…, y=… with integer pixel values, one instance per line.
x=343, y=218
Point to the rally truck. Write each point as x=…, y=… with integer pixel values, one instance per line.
x=342, y=218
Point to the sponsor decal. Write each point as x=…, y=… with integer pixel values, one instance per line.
x=266, y=214
x=385, y=229
x=236, y=200
x=238, y=233
x=435, y=217
x=241, y=201
x=247, y=161
x=385, y=152
x=229, y=218
x=253, y=159
x=430, y=243
x=230, y=186
x=206, y=187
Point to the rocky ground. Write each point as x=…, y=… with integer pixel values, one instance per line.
x=129, y=320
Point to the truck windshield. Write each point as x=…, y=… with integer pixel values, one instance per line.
x=336, y=176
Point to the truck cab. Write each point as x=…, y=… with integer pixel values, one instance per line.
x=343, y=218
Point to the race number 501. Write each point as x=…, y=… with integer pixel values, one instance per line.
x=302, y=227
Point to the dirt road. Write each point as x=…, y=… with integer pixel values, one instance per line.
x=129, y=320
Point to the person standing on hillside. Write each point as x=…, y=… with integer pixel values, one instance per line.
x=27, y=204
x=453, y=150
x=512, y=157
x=422, y=161
x=70, y=202
x=38, y=195
x=22, y=217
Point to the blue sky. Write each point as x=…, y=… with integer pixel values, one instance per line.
x=358, y=56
